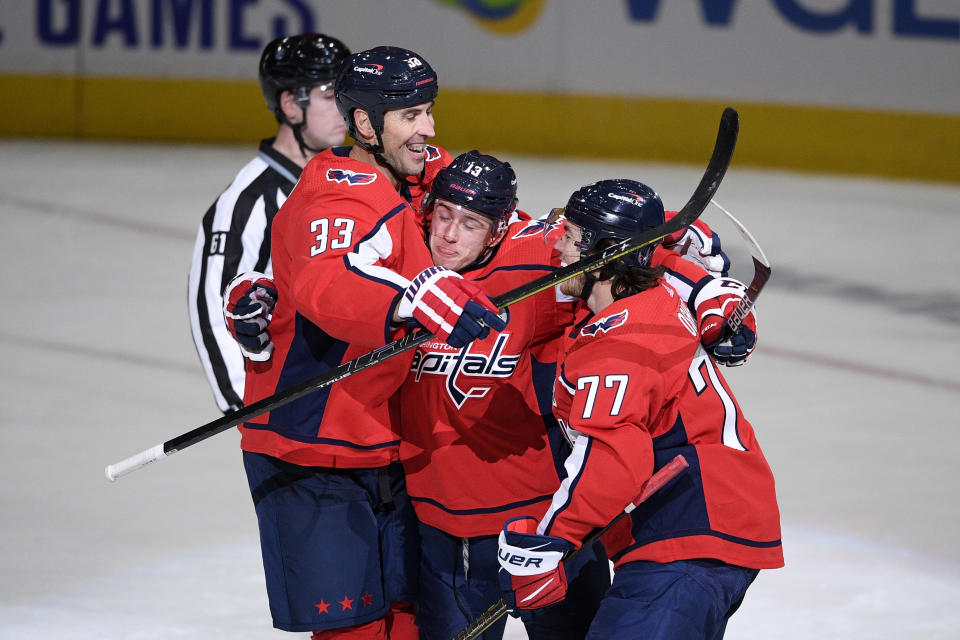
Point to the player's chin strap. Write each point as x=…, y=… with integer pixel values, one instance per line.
x=302, y=96
x=298, y=135
x=377, y=151
x=605, y=273
x=588, y=281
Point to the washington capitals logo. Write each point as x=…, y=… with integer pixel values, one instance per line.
x=604, y=324
x=432, y=153
x=536, y=227
x=350, y=177
x=463, y=364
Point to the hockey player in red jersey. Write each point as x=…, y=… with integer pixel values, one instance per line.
x=635, y=388
x=351, y=270
x=479, y=440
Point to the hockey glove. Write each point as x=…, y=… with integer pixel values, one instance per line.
x=455, y=310
x=700, y=245
x=248, y=303
x=715, y=304
x=734, y=351
x=531, y=568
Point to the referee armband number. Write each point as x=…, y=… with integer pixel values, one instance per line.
x=218, y=243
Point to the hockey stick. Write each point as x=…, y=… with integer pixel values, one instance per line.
x=761, y=273
x=657, y=481
x=709, y=183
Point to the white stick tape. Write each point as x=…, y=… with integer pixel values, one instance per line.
x=134, y=462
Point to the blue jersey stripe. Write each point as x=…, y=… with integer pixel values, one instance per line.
x=477, y=511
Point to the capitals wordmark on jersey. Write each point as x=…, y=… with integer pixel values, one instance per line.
x=454, y=364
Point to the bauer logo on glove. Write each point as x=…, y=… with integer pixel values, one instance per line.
x=532, y=574
x=716, y=303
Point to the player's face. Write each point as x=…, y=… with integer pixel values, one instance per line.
x=570, y=253
x=325, y=127
x=458, y=236
x=405, y=135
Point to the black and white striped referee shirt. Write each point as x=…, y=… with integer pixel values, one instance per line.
x=233, y=238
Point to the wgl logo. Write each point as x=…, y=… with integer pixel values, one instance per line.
x=907, y=20
x=464, y=363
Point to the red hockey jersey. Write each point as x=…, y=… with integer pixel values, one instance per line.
x=475, y=421
x=345, y=244
x=635, y=388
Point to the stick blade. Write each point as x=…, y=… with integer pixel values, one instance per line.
x=716, y=168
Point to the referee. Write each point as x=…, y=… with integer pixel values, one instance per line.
x=296, y=76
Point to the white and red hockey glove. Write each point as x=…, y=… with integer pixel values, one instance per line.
x=715, y=304
x=700, y=245
x=455, y=310
x=248, y=303
x=531, y=566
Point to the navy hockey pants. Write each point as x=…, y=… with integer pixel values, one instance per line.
x=339, y=545
x=690, y=599
x=458, y=582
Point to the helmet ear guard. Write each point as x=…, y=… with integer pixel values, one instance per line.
x=302, y=95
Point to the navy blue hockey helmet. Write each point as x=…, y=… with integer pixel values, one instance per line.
x=617, y=209
x=297, y=64
x=380, y=79
x=477, y=182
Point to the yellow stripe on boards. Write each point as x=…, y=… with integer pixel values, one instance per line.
x=792, y=137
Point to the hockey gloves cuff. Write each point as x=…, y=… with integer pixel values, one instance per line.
x=715, y=304
x=248, y=303
x=455, y=310
x=531, y=574
x=700, y=245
